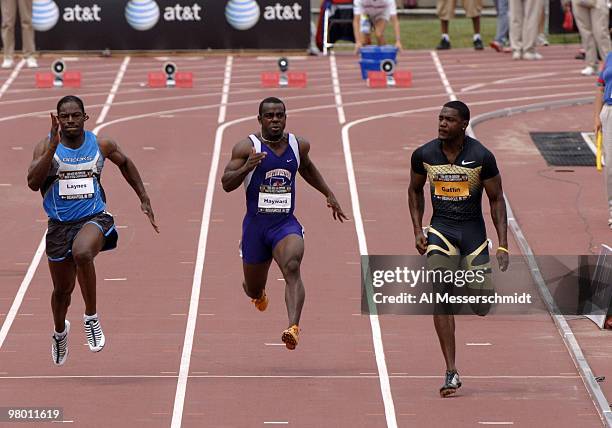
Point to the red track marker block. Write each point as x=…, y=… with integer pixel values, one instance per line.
x=377, y=79
x=296, y=79
x=403, y=79
x=270, y=80
x=44, y=80
x=156, y=79
x=72, y=79
x=184, y=79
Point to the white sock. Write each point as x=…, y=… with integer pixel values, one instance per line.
x=445, y=37
x=476, y=36
x=90, y=317
x=62, y=334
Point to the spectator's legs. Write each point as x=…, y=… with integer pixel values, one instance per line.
x=27, y=31
x=8, y=10
x=599, y=19
x=532, y=11
x=582, y=16
x=516, y=27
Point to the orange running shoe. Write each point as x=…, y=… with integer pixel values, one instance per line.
x=291, y=336
x=261, y=303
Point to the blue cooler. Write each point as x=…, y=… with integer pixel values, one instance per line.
x=371, y=57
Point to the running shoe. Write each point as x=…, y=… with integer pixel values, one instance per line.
x=291, y=336
x=451, y=384
x=444, y=44
x=95, y=335
x=478, y=44
x=262, y=302
x=496, y=45
x=59, y=347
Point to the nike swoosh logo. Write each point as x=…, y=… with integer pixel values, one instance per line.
x=466, y=163
x=289, y=160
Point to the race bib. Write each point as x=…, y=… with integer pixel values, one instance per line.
x=76, y=185
x=274, y=199
x=452, y=186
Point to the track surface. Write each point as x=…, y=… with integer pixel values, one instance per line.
x=186, y=347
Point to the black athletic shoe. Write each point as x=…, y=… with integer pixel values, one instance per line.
x=443, y=45
x=451, y=384
x=478, y=44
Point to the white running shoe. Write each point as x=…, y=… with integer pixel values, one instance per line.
x=516, y=55
x=7, y=63
x=588, y=71
x=31, y=62
x=59, y=347
x=95, y=335
x=532, y=56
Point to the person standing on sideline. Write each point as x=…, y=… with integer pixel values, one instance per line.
x=9, y=16
x=524, y=17
x=603, y=123
x=446, y=11
x=592, y=18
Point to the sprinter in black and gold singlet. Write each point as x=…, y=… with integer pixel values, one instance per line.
x=458, y=168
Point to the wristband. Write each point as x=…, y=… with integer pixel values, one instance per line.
x=505, y=250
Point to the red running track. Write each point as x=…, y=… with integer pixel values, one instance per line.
x=236, y=374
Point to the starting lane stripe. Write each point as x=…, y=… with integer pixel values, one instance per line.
x=11, y=77
x=227, y=77
x=379, y=351
x=113, y=91
x=23, y=288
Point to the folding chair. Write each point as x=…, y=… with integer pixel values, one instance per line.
x=337, y=22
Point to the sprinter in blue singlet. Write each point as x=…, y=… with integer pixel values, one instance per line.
x=267, y=163
x=66, y=169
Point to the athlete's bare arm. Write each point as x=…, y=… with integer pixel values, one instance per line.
x=244, y=160
x=311, y=174
x=43, y=156
x=111, y=150
x=416, y=203
x=495, y=193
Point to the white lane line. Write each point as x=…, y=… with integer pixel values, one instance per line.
x=227, y=77
x=113, y=91
x=115, y=279
x=12, y=313
x=274, y=344
x=181, y=385
x=588, y=139
x=276, y=423
x=495, y=423
x=5, y=184
x=442, y=74
x=478, y=344
x=379, y=351
x=597, y=396
x=512, y=79
x=11, y=77
x=337, y=93
x=197, y=375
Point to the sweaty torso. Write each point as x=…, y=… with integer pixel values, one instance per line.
x=456, y=188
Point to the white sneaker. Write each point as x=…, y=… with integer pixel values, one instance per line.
x=588, y=71
x=532, y=56
x=7, y=63
x=59, y=347
x=95, y=335
x=31, y=62
x=516, y=55
x=542, y=41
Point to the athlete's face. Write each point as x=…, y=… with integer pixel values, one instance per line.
x=72, y=119
x=450, y=124
x=272, y=120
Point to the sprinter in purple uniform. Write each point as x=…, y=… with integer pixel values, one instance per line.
x=267, y=163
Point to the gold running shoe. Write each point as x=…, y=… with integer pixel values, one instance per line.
x=291, y=336
x=261, y=303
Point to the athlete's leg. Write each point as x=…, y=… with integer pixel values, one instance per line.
x=445, y=328
x=379, y=30
x=288, y=254
x=86, y=246
x=255, y=278
x=63, y=274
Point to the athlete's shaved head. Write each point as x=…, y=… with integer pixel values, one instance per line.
x=71, y=99
x=464, y=111
x=271, y=100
